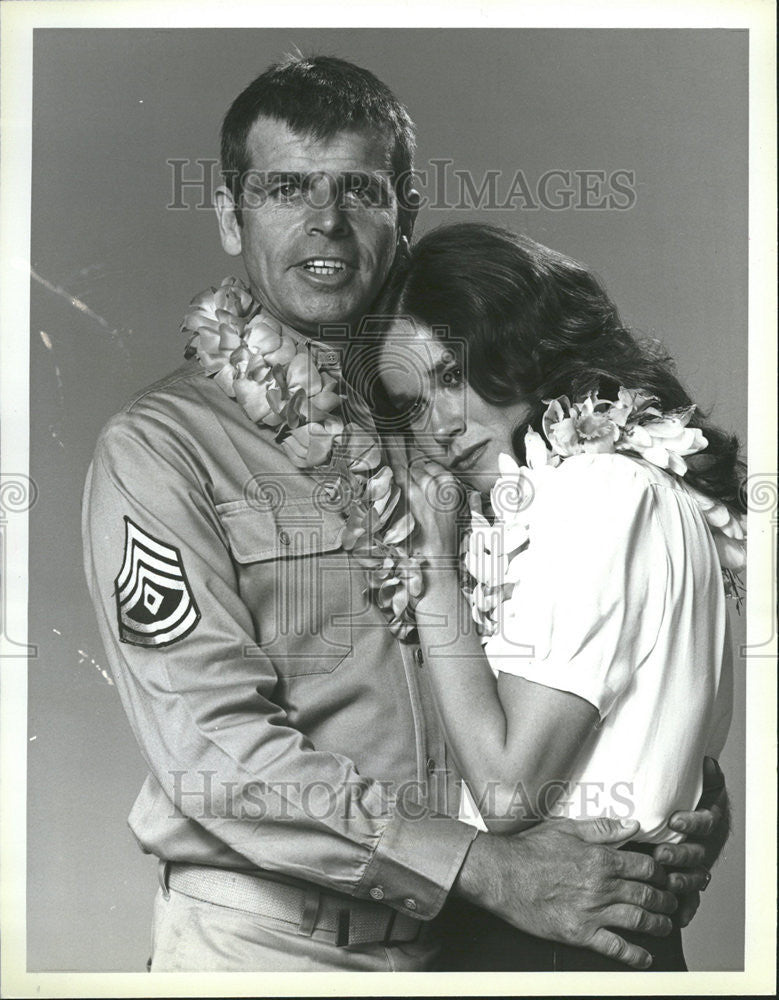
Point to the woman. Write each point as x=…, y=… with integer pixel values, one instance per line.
x=597, y=682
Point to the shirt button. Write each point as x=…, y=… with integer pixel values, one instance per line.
x=430, y=765
x=418, y=656
x=410, y=904
x=284, y=538
x=376, y=892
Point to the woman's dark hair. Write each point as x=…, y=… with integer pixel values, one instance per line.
x=538, y=324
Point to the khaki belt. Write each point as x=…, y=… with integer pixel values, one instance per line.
x=352, y=922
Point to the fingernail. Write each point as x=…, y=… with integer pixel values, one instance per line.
x=626, y=823
x=664, y=855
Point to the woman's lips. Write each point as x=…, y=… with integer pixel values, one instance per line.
x=468, y=458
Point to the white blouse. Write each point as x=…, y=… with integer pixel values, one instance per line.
x=621, y=602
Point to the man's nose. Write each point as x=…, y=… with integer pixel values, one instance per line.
x=326, y=215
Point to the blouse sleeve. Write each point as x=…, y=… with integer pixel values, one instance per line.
x=593, y=586
x=723, y=705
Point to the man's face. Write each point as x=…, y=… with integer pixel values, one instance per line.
x=317, y=240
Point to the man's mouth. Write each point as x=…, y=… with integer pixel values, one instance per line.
x=325, y=265
x=468, y=458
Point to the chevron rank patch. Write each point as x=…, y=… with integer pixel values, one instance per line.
x=153, y=599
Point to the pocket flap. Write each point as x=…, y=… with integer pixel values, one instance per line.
x=296, y=528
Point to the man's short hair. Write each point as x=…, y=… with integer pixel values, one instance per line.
x=318, y=96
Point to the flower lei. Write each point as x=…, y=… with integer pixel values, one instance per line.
x=493, y=552
x=281, y=383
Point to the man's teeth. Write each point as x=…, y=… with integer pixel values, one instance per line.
x=324, y=266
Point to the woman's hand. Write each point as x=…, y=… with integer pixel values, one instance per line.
x=434, y=496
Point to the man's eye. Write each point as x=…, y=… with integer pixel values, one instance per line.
x=286, y=190
x=452, y=377
x=364, y=190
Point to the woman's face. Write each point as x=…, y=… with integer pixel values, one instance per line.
x=426, y=378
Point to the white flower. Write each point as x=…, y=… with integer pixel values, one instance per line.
x=581, y=428
x=253, y=397
x=310, y=445
x=260, y=363
x=224, y=378
x=633, y=403
x=378, y=487
x=731, y=551
x=263, y=334
x=266, y=336
x=302, y=374
x=485, y=559
x=663, y=443
x=491, y=550
x=537, y=454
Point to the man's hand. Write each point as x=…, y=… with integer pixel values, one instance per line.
x=706, y=828
x=566, y=881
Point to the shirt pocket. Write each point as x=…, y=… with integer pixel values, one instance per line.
x=296, y=581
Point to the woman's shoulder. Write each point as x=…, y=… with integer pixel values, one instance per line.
x=609, y=509
x=611, y=477
x=610, y=500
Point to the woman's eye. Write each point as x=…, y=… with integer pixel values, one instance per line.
x=416, y=410
x=452, y=377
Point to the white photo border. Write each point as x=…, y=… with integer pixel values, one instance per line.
x=18, y=21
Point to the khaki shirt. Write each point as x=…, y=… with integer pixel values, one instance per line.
x=283, y=726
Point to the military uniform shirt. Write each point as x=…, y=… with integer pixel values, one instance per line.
x=284, y=728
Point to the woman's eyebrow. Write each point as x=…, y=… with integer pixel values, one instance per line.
x=432, y=371
x=402, y=397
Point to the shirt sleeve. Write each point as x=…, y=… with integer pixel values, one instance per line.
x=198, y=705
x=723, y=705
x=584, y=614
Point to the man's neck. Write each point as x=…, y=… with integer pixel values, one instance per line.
x=326, y=336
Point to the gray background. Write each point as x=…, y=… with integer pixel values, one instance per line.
x=113, y=270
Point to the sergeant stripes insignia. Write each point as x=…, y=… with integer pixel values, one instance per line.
x=154, y=602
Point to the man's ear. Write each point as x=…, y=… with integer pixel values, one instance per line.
x=408, y=211
x=229, y=229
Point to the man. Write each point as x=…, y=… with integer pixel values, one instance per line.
x=300, y=797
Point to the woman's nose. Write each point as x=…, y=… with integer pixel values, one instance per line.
x=448, y=421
